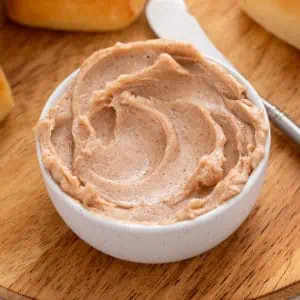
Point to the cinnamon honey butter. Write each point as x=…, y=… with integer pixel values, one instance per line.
x=152, y=133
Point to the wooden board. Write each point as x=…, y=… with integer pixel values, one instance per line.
x=41, y=258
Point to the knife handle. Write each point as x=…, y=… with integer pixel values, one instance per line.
x=288, y=127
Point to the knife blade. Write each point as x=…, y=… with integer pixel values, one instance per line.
x=170, y=19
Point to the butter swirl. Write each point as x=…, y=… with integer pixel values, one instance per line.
x=151, y=132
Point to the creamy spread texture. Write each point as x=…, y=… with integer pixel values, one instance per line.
x=152, y=132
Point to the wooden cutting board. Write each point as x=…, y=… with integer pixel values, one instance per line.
x=41, y=258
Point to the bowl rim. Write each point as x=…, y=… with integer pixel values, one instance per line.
x=156, y=228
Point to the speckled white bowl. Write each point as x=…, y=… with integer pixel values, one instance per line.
x=156, y=243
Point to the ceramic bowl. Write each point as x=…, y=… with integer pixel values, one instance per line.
x=157, y=243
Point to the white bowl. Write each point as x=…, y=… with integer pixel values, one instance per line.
x=157, y=243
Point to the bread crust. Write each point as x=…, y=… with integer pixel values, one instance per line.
x=6, y=99
x=280, y=17
x=75, y=15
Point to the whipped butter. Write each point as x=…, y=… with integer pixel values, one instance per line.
x=153, y=133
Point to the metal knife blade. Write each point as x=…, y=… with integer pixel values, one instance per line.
x=170, y=19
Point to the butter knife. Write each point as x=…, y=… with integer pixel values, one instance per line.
x=170, y=19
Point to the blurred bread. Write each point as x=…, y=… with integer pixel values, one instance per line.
x=280, y=17
x=6, y=99
x=78, y=15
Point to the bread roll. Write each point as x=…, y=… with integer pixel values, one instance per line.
x=281, y=17
x=6, y=99
x=78, y=15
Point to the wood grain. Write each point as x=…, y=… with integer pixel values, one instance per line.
x=41, y=258
x=2, y=13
